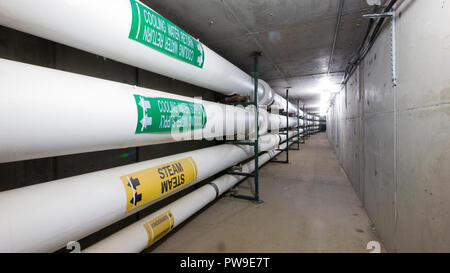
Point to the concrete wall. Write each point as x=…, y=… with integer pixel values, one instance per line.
x=393, y=142
x=26, y=48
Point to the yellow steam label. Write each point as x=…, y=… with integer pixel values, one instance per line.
x=150, y=184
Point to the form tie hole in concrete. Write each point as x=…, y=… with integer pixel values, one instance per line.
x=359, y=230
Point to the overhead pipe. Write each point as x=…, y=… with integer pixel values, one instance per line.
x=44, y=217
x=145, y=232
x=54, y=113
x=130, y=32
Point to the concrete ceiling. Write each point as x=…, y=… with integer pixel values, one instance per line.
x=295, y=36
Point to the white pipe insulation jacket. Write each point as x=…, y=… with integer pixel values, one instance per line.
x=130, y=32
x=279, y=101
x=54, y=113
x=145, y=232
x=45, y=217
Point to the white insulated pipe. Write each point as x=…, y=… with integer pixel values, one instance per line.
x=145, y=232
x=45, y=217
x=46, y=112
x=132, y=33
x=281, y=103
x=103, y=27
x=273, y=122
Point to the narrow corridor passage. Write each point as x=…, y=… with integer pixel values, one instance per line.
x=309, y=206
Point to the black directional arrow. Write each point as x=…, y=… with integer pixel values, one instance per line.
x=134, y=183
x=136, y=198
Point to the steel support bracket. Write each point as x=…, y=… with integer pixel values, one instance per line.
x=255, y=143
x=392, y=15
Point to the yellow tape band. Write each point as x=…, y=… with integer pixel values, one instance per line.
x=158, y=227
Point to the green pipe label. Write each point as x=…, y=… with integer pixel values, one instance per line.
x=168, y=115
x=151, y=29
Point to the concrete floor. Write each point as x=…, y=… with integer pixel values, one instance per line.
x=309, y=206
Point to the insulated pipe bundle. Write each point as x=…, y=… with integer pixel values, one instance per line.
x=280, y=102
x=293, y=122
x=45, y=217
x=130, y=32
x=274, y=122
x=145, y=232
x=55, y=113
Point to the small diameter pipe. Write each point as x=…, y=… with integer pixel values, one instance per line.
x=53, y=113
x=145, y=232
x=46, y=216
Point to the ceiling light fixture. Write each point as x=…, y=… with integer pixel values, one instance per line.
x=326, y=88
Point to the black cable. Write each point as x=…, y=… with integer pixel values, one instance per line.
x=351, y=66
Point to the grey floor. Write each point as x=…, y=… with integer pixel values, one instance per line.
x=309, y=206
